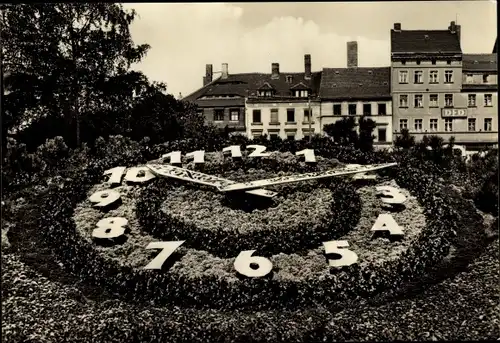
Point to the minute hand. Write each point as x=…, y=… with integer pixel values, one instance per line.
x=303, y=177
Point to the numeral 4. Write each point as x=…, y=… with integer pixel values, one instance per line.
x=347, y=258
x=167, y=249
x=308, y=155
x=175, y=156
x=244, y=262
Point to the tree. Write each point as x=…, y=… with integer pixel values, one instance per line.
x=366, y=127
x=343, y=131
x=405, y=140
x=68, y=59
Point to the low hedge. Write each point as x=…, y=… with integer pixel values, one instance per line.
x=84, y=259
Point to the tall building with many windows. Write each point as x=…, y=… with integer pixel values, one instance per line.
x=438, y=90
x=426, y=77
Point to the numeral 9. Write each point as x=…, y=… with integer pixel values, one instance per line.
x=104, y=198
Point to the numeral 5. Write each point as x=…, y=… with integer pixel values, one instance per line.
x=347, y=258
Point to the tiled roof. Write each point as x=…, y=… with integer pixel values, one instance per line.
x=479, y=62
x=424, y=41
x=248, y=84
x=355, y=83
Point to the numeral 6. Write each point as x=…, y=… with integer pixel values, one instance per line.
x=347, y=258
x=245, y=260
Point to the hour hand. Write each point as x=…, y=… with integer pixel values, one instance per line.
x=167, y=170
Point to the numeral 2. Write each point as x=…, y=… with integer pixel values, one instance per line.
x=308, y=155
x=258, y=150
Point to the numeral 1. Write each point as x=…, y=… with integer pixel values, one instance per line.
x=174, y=156
x=348, y=257
x=167, y=249
x=116, y=175
x=308, y=155
x=234, y=149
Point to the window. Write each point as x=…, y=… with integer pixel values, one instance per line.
x=433, y=62
x=337, y=109
x=256, y=116
x=301, y=94
x=471, y=124
x=290, y=136
x=382, y=135
x=448, y=124
x=485, y=78
x=448, y=76
x=367, y=109
x=266, y=93
x=448, y=62
x=418, y=102
x=403, y=124
x=382, y=109
x=403, y=76
x=418, y=124
x=433, y=124
x=418, y=62
x=219, y=115
x=417, y=76
x=235, y=115
x=471, y=100
x=488, y=100
x=306, y=115
x=257, y=134
x=433, y=100
x=199, y=111
x=488, y=124
x=403, y=62
x=352, y=109
x=273, y=136
x=289, y=79
x=403, y=100
x=469, y=78
x=290, y=115
x=274, y=115
x=433, y=76
x=448, y=100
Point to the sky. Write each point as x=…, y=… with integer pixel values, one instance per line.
x=184, y=37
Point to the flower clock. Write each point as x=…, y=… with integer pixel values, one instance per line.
x=244, y=228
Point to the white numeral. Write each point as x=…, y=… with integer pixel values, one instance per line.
x=385, y=222
x=133, y=174
x=198, y=156
x=348, y=257
x=104, y=198
x=258, y=152
x=167, y=249
x=244, y=260
x=308, y=155
x=391, y=195
x=116, y=175
x=108, y=228
x=234, y=149
x=174, y=157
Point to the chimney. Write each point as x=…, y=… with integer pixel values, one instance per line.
x=275, y=69
x=397, y=27
x=225, y=72
x=307, y=66
x=452, y=27
x=458, y=32
x=208, y=74
x=352, y=54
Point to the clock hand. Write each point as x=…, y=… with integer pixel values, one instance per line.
x=347, y=170
x=201, y=178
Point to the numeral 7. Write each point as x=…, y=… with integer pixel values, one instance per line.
x=167, y=249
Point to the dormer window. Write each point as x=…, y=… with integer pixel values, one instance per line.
x=301, y=93
x=266, y=93
x=289, y=79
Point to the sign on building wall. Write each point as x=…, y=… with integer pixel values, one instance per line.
x=454, y=113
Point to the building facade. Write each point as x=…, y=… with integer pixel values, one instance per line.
x=284, y=105
x=431, y=88
x=357, y=92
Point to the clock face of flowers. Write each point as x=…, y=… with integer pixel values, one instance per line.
x=226, y=220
